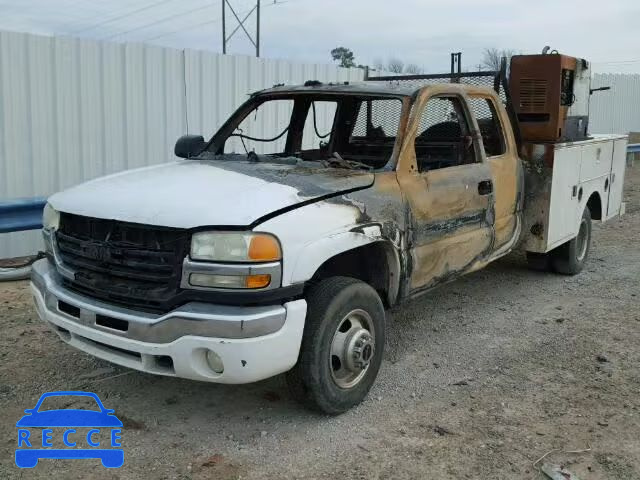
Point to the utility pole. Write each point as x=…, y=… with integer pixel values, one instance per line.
x=258, y=28
x=224, y=28
x=241, y=25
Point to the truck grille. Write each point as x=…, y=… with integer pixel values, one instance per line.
x=129, y=264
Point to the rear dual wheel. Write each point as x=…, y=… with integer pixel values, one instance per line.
x=342, y=345
x=569, y=258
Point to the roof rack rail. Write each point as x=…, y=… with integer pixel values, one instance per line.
x=497, y=79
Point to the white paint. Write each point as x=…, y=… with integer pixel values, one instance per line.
x=183, y=194
x=313, y=234
x=581, y=91
x=586, y=165
x=563, y=209
x=372, y=231
x=615, y=206
x=245, y=360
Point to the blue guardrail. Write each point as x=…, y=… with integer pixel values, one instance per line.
x=21, y=214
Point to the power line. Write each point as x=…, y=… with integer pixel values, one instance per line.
x=209, y=22
x=72, y=5
x=113, y=19
x=164, y=19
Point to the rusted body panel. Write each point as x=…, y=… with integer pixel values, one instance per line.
x=538, y=166
x=451, y=225
x=537, y=93
x=454, y=230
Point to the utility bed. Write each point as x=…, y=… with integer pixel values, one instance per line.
x=558, y=179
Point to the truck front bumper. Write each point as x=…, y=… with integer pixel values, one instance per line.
x=253, y=343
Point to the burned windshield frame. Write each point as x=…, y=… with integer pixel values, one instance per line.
x=338, y=137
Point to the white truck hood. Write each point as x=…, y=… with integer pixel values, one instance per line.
x=196, y=193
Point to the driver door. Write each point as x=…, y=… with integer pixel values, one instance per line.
x=450, y=194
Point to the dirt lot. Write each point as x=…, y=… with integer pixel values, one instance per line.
x=480, y=379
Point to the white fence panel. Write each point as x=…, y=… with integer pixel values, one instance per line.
x=616, y=110
x=72, y=110
x=218, y=84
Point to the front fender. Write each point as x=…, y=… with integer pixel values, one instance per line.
x=313, y=234
x=314, y=254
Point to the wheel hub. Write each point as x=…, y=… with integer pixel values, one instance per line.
x=352, y=348
x=358, y=350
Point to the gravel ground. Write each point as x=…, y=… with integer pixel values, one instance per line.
x=480, y=379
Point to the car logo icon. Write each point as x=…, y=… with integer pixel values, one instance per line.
x=60, y=432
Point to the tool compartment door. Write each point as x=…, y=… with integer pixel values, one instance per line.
x=616, y=179
x=563, y=206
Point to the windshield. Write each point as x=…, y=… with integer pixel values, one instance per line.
x=347, y=131
x=264, y=130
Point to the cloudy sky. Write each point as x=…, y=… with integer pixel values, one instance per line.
x=416, y=31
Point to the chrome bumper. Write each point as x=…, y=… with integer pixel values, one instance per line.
x=195, y=318
x=253, y=343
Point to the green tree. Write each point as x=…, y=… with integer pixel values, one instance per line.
x=344, y=56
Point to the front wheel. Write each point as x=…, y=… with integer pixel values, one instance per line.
x=570, y=258
x=342, y=345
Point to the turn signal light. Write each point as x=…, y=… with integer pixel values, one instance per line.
x=257, y=281
x=264, y=248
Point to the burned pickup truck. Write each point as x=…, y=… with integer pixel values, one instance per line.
x=277, y=245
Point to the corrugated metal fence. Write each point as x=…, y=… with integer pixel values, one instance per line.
x=72, y=110
x=616, y=110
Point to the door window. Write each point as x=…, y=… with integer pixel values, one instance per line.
x=443, y=138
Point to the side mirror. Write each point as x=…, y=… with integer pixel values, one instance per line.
x=189, y=146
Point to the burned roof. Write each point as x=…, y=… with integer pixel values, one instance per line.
x=393, y=89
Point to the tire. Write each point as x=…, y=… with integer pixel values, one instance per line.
x=569, y=258
x=540, y=262
x=344, y=316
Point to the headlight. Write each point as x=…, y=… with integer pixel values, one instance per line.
x=50, y=218
x=235, y=247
